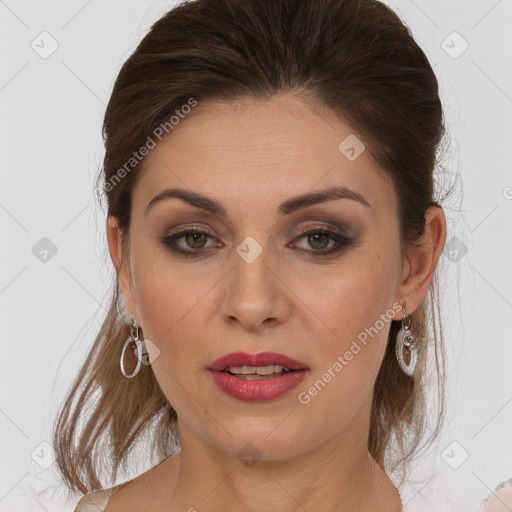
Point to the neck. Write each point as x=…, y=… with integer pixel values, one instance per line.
x=208, y=478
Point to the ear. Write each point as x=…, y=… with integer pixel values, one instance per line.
x=114, y=236
x=421, y=260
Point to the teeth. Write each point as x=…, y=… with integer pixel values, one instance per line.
x=257, y=370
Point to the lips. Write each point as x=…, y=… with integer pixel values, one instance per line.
x=259, y=359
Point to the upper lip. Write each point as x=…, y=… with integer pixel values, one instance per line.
x=259, y=359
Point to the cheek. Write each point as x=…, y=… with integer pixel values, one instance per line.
x=357, y=308
x=178, y=303
x=172, y=311
x=170, y=307
x=354, y=298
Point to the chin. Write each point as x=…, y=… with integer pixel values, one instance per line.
x=267, y=440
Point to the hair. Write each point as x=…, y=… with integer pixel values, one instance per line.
x=354, y=57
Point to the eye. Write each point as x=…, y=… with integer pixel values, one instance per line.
x=195, y=240
x=319, y=239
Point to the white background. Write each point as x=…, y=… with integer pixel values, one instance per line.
x=51, y=149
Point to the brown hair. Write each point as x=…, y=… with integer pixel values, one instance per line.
x=356, y=58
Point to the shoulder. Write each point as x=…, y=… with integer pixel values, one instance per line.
x=499, y=499
x=96, y=501
x=143, y=492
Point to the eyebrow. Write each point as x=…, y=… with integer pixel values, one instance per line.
x=288, y=207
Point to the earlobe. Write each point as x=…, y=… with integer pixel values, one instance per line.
x=422, y=259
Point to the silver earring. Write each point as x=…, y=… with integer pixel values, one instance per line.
x=134, y=338
x=405, y=346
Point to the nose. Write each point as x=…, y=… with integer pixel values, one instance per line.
x=255, y=296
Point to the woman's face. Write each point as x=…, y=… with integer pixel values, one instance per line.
x=255, y=282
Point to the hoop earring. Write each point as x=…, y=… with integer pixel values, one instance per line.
x=405, y=346
x=134, y=332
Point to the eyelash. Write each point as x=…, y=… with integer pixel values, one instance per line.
x=341, y=239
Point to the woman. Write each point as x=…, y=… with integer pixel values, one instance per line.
x=269, y=174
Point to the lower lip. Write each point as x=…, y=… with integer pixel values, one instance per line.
x=258, y=390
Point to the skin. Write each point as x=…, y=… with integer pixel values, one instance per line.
x=251, y=156
x=499, y=501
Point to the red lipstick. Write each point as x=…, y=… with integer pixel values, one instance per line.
x=259, y=359
x=248, y=385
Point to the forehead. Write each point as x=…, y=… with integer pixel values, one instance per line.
x=280, y=147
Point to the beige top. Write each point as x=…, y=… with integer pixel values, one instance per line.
x=96, y=501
